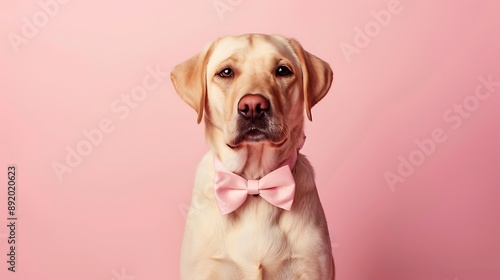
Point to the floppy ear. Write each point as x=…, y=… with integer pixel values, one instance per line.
x=317, y=76
x=190, y=81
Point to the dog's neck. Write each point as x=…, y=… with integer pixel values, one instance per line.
x=255, y=160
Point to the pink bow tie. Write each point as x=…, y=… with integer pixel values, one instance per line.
x=277, y=187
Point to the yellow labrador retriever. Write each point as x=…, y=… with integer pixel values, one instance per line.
x=255, y=211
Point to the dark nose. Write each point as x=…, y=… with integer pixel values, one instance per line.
x=253, y=106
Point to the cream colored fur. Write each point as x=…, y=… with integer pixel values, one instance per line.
x=258, y=240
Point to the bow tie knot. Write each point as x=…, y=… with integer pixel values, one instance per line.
x=253, y=187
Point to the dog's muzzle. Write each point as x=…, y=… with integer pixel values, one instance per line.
x=254, y=116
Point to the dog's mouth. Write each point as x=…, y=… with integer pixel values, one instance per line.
x=254, y=135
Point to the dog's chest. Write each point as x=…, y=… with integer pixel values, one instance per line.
x=257, y=234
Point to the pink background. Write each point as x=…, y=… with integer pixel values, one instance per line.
x=119, y=214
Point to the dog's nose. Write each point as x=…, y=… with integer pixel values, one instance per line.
x=253, y=106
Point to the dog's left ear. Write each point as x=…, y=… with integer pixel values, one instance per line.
x=190, y=80
x=317, y=76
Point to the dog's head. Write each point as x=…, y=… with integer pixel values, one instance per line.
x=254, y=87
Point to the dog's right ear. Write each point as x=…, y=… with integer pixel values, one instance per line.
x=190, y=80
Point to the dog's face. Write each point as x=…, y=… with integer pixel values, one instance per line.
x=253, y=87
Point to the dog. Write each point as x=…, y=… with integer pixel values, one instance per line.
x=252, y=91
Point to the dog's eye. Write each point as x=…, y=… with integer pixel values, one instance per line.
x=226, y=73
x=283, y=71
